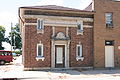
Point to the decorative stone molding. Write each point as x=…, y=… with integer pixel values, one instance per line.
x=38, y=58
x=58, y=20
x=53, y=31
x=35, y=24
x=58, y=17
x=60, y=36
x=79, y=58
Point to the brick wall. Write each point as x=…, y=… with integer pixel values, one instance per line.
x=60, y=29
x=101, y=33
x=32, y=38
x=87, y=42
x=30, y=47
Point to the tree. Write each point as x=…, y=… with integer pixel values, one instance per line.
x=2, y=37
x=16, y=38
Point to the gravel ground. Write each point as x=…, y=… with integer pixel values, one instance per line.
x=15, y=70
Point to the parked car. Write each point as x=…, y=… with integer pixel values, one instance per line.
x=14, y=54
x=5, y=57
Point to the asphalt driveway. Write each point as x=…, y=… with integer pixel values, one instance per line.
x=15, y=70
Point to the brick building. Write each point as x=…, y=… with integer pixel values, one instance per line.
x=106, y=33
x=61, y=37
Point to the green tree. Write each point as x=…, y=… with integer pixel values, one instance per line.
x=16, y=38
x=2, y=37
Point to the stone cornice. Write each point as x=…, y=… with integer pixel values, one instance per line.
x=58, y=17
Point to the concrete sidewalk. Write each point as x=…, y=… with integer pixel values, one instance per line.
x=63, y=75
x=15, y=70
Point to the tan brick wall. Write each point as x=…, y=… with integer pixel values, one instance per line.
x=101, y=33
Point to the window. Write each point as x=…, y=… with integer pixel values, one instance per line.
x=39, y=50
x=109, y=42
x=80, y=28
x=40, y=24
x=109, y=22
x=79, y=55
x=79, y=51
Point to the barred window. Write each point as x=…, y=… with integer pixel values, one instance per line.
x=109, y=21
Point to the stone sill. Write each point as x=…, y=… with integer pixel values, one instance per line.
x=40, y=58
x=40, y=31
x=79, y=58
x=80, y=32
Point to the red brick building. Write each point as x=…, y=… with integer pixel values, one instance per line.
x=61, y=37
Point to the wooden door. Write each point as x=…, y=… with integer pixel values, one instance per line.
x=59, y=56
x=109, y=56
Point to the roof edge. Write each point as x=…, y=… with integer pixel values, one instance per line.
x=67, y=9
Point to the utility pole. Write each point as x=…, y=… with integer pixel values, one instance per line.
x=11, y=36
x=14, y=42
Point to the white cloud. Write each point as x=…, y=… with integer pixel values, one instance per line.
x=50, y=2
x=84, y=4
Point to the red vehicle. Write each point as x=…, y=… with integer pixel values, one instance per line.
x=5, y=57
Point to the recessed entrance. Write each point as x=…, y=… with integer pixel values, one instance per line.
x=59, y=56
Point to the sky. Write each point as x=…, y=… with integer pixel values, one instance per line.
x=9, y=10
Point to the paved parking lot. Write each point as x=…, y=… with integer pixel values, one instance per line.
x=15, y=70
